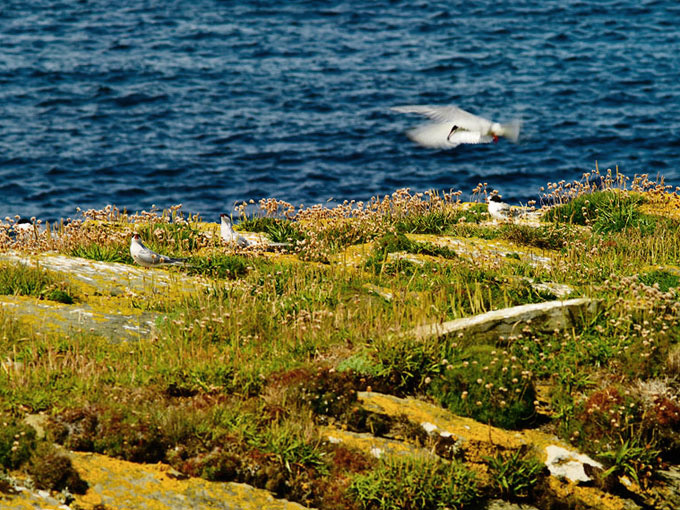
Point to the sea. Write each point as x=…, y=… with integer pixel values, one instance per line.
x=206, y=103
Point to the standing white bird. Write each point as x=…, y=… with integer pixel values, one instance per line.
x=229, y=235
x=146, y=257
x=498, y=209
x=452, y=126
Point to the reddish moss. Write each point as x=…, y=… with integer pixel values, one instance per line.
x=351, y=460
x=667, y=412
x=603, y=400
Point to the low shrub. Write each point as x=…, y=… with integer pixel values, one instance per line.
x=487, y=385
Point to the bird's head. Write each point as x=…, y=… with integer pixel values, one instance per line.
x=225, y=218
x=136, y=237
x=496, y=131
x=495, y=198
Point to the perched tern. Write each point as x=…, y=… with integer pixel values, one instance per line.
x=146, y=257
x=229, y=235
x=452, y=126
x=498, y=209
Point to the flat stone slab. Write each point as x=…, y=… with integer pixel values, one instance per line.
x=112, y=278
x=53, y=317
x=546, y=316
x=113, y=292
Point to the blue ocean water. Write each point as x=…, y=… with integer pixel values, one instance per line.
x=205, y=102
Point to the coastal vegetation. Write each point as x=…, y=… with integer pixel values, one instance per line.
x=240, y=375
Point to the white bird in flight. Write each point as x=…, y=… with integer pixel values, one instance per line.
x=452, y=126
x=229, y=235
x=149, y=258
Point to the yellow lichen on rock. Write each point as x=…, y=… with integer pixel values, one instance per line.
x=129, y=486
x=589, y=497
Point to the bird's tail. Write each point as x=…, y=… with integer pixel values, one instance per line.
x=511, y=130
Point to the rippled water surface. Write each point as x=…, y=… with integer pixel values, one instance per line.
x=204, y=102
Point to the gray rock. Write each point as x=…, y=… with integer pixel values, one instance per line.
x=546, y=316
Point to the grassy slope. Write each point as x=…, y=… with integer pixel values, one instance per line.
x=238, y=377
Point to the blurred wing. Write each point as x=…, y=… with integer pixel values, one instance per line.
x=451, y=115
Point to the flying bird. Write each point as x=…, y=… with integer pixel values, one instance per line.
x=229, y=235
x=149, y=258
x=452, y=126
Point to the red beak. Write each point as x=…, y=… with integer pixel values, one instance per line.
x=495, y=138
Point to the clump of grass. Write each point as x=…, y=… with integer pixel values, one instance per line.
x=488, y=385
x=23, y=280
x=608, y=202
x=279, y=230
x=415, y=483
x=328, y=230
x=292, y=442
x=441, y=220
x=549, y=237
x=172, y=238
x=391, y=243
x=406, y=363
x=552, y=237
x=360, y=363
x=119, y=252
x=515, y=474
